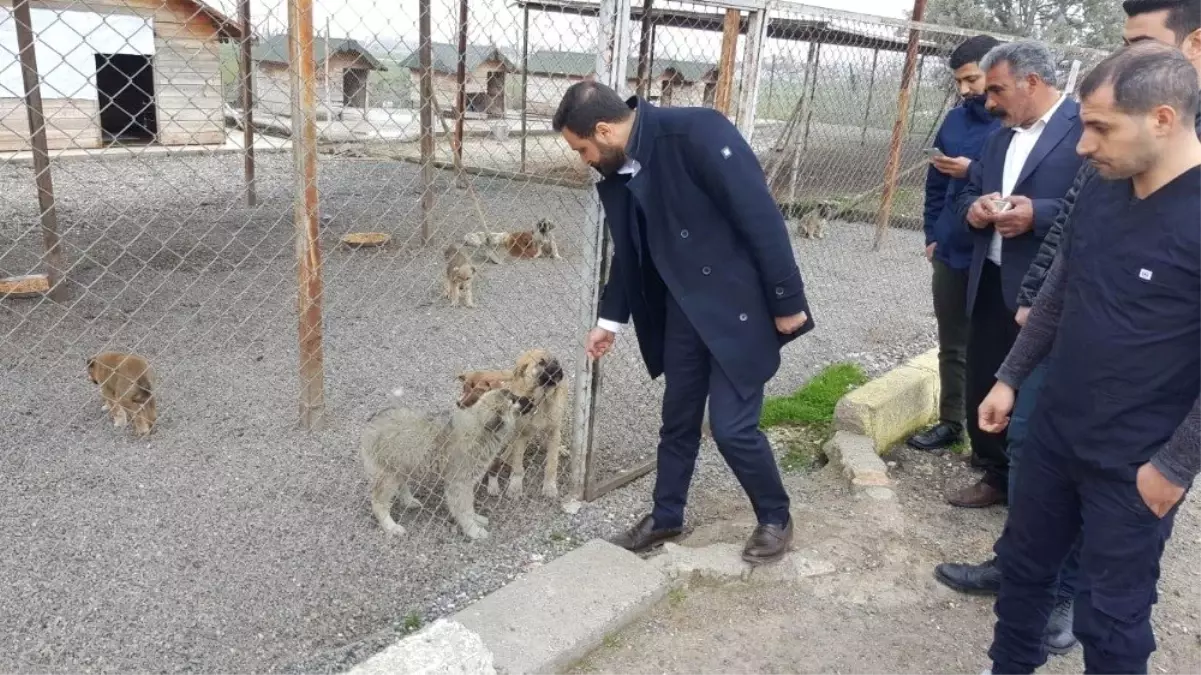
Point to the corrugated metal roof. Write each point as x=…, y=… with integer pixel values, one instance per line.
x=445, y=58
x=580, y=64
x=275, y=50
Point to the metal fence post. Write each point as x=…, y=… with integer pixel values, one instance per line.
x=752, y=67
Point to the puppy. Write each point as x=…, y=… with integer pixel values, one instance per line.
x=812, y=225
x=400, y=447
x=458, y=275
x=544, y=239
x=537, y=376
x=127, y=388
x=476, y=383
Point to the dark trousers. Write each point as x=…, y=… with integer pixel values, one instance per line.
x=950, y=309
x=1056, y=499
x=991, y=336
x=692, y=375
x=1019, y=427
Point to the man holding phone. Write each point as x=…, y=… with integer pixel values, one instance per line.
x=948, y=243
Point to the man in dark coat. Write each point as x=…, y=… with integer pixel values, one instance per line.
x=703, y=264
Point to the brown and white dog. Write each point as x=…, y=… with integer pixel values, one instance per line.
x=458, y=275
x=127, y=387
x=537, y=243
x=539, y=377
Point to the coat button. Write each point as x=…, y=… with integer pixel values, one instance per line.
x=705, y=270
x=779, y=291
x=742, y=317
x=683, y=234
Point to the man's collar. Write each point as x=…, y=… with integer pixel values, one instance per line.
x=634, y=142
x=1046, y=118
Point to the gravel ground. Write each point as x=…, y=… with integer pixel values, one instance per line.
x=231, y=541
x=880, y=611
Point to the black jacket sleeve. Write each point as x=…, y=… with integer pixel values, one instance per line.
x=1033, y=281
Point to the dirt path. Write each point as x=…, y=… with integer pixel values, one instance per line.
x=880, y=611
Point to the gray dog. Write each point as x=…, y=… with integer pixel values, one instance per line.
x=401, y=448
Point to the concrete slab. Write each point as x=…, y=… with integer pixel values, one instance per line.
x=442, y=648
x=891, y=407
x=547, y=620
x=856, y=458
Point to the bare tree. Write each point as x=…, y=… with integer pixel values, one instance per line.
x=1085, y=23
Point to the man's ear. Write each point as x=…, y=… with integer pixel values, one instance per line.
x=1192, y=46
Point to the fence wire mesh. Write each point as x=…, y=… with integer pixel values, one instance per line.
x=162, y=219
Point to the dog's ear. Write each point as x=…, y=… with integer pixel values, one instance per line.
x=471, y=396
x=92, y=371
x=461, y=377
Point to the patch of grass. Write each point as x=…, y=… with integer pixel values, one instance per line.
x=813, y=404
x=676, y=596
x=558, y=537
x=412, y=623
x=611, y=641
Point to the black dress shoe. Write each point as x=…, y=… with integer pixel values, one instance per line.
x=937, y=438
x=643, y=536
x=1059, y=638
x=768, y=543
x=982, y=579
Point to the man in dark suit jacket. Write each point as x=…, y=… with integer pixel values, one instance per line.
x=703, y=264
x=1029, y=164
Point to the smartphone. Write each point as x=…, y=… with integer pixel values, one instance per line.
x=1002, y=205
x=933, y=152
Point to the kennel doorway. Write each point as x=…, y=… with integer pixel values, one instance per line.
x=125, y=93
x=354, y=88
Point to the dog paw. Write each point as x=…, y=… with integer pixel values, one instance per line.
x=394, y=530
x=482, y=521
x=515, y=487
x=493, y=486
x=475, y=532
x=550, y=490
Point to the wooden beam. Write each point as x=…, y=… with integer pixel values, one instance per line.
x=247, y=92
x=644, y=49
x=456, y=143
x=426, y=56
x=52, y=252
x=899, y=127
x=752, y=67
x=871, y=88
x=725, y=67
x=302, y=73
x=525, y=85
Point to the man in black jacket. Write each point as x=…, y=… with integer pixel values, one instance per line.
x=1174, y=22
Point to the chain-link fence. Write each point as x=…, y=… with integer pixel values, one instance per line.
x=176, y=174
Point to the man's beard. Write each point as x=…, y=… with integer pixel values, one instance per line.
x=611, y=159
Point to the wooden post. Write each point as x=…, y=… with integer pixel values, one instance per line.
x=426, y=56
x=796, y=129
x=817, y=63
x=55, y=261
x=245, y=64
x=456, y=144
x=898, y=127
x=525, y=81
x=752, y=67
x=725, y=68
x=329, y=92
x=871, y=88
x=644, y=50
x=302, y=74
x=917, y=92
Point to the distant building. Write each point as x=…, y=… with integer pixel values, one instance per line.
x=674, y=82
x=109, y=71
x=486, y=71
x=349, y=65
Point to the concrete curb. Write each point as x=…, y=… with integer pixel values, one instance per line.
x=541, y=623
x=890, y=407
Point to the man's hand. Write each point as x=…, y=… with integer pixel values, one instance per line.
x=1018, y=220
x=955, y=167
x=982, y=211
x=930, y=252
x=1022, y=315
x=995, y=408
x=790, y=324
x=1158, y=493
x=599, y=342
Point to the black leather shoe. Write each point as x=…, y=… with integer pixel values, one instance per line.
x=768, y=543
x=643, y=536
x=1059, y=638
x=982, y=579
x=937, y=438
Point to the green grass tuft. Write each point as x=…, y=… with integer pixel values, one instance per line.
x=813, y=404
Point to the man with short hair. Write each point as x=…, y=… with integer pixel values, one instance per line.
x=1115, y=441
x=948, y=243
x=1010, y=202
x=703, y=264
x=1176, y=23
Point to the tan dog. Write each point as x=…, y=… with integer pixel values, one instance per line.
x=127, y=387
x=458, y=276
x=537, y=376
x=401, y=448
x=812, y=225
x=476, y=383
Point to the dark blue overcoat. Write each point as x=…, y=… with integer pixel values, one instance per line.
x=716, y=236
